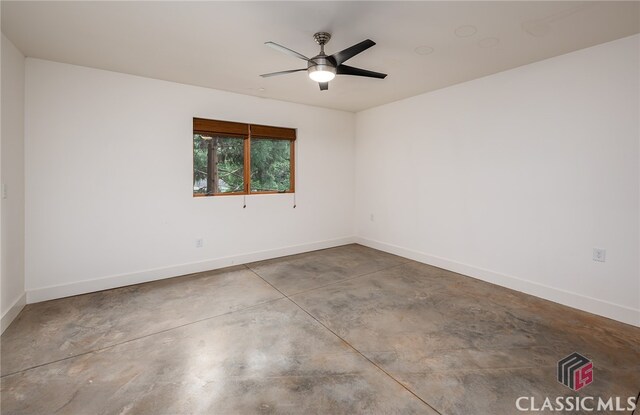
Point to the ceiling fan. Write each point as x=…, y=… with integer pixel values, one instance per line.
x=323, y=68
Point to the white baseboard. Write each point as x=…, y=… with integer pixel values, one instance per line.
x=12, y=312
x=114, y=281
x=592, y=305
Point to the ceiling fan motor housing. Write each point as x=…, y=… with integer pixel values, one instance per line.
x=321, y=63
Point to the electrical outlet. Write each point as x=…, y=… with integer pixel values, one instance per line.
x=599, y=255
x=371, y=218
x=199, y=243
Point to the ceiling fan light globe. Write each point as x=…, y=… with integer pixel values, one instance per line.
x=322, y=76
x=322, y=73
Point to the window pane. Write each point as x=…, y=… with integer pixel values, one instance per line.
x=270, y=165
x=199, y=165
x=218, y=164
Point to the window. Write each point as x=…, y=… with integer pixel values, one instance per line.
x=238, y=159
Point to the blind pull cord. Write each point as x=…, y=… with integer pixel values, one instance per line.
x=295, y=178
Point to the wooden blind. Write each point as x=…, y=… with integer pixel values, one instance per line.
x=204, y=126
x=273, y=132
x=201, y=125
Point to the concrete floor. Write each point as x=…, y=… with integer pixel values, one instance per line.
x=343, y=330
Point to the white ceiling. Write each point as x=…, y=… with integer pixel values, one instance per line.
x=220, y=44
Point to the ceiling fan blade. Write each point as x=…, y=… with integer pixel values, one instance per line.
x=323, y=86
x=267, y=75
x=286, y=50
x=349, y=53
x=350, y=70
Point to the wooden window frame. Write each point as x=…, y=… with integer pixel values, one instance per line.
x=245, y=131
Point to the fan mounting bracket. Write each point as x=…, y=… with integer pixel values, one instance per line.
x=322, y=38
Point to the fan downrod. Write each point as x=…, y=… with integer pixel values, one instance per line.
x=322, y=38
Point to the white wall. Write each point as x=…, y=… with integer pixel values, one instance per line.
x=109, y=181
x=514, y=178
x=12, y=297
